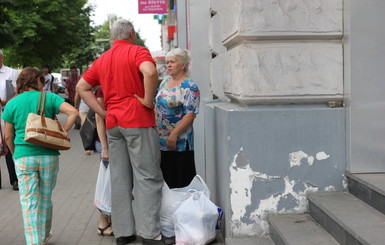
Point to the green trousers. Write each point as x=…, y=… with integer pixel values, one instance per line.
x=37, y=178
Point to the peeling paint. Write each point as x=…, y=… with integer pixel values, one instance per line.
x=310, y=160
x=330, y=188
x=242, y=178
x=296, y=157
x=321, y=156
x=269, y=205
x=344, y=182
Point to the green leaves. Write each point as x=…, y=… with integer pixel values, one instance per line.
x=6, y=35
x=54, y=32
x=45, y=31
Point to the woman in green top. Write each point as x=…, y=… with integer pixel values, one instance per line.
x=36, y=166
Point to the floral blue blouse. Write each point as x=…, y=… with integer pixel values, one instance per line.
x=171, y=105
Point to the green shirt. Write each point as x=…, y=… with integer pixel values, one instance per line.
x=16, y=112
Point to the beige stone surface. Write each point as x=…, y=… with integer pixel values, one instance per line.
x=280, y=19
x=215, y=42
x=282, y=72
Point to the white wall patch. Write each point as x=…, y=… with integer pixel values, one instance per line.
x=296, y=157
x=321, y=156
x=242, y=179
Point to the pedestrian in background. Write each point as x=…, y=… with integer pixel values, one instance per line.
x=70, y=91
x=7, y=75
x=36, y=166
x=48, y=79
x=129, y=80
x=177, y=103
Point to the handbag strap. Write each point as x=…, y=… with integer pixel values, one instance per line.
x=42, y=98
x=39, y=103
x=39, y=106
x=43, y=103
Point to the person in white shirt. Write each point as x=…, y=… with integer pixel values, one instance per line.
x=7, y=75
x=48, y=78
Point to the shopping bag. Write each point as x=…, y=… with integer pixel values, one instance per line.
x=103, y=190
x=195, y=220
x=88, y=131
x=9, y=89
x=172, y=198
x=3, y=146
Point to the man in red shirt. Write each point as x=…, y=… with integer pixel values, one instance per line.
x=70, y=91
x=129, y=80
x=71, y=83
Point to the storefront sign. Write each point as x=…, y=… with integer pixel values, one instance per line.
x=152, y=6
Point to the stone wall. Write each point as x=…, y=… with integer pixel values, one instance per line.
x=284, y=51
x=277, y=62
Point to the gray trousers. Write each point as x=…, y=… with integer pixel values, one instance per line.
x=134, y=157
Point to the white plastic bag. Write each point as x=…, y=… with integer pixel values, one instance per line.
x=172, y=198
x=103, y=190
x=195, y=220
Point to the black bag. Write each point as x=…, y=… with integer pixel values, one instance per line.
x=3, y=147
x=88, y=131
x=9, y=89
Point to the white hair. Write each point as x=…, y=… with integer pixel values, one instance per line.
x=182, y=54
x=1, y=52
x=121, y=30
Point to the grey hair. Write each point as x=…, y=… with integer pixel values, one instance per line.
x=121, y=30
x=1, y=52
x=182, y=54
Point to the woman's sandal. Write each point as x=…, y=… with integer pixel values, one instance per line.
x=102, y=230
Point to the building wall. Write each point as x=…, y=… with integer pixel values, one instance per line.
x=272, y=138
x=364, y=85
x=265, y=159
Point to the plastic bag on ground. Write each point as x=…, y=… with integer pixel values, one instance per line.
x=195, y=220
x=172, y=198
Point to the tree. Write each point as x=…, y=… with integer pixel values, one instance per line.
x=140, y=41
x=47, y=30
x=6, y=35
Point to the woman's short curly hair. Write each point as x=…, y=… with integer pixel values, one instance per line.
x=183, y=55
x=27, y=79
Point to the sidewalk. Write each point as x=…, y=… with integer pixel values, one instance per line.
x=75, y=218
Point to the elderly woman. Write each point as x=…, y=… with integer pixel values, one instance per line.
x=177, y=104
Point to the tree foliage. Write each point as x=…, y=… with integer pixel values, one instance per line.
x=47, y=31
x=54, y=32
x=6, y=34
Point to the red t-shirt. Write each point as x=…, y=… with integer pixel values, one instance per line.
x=117, y=71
